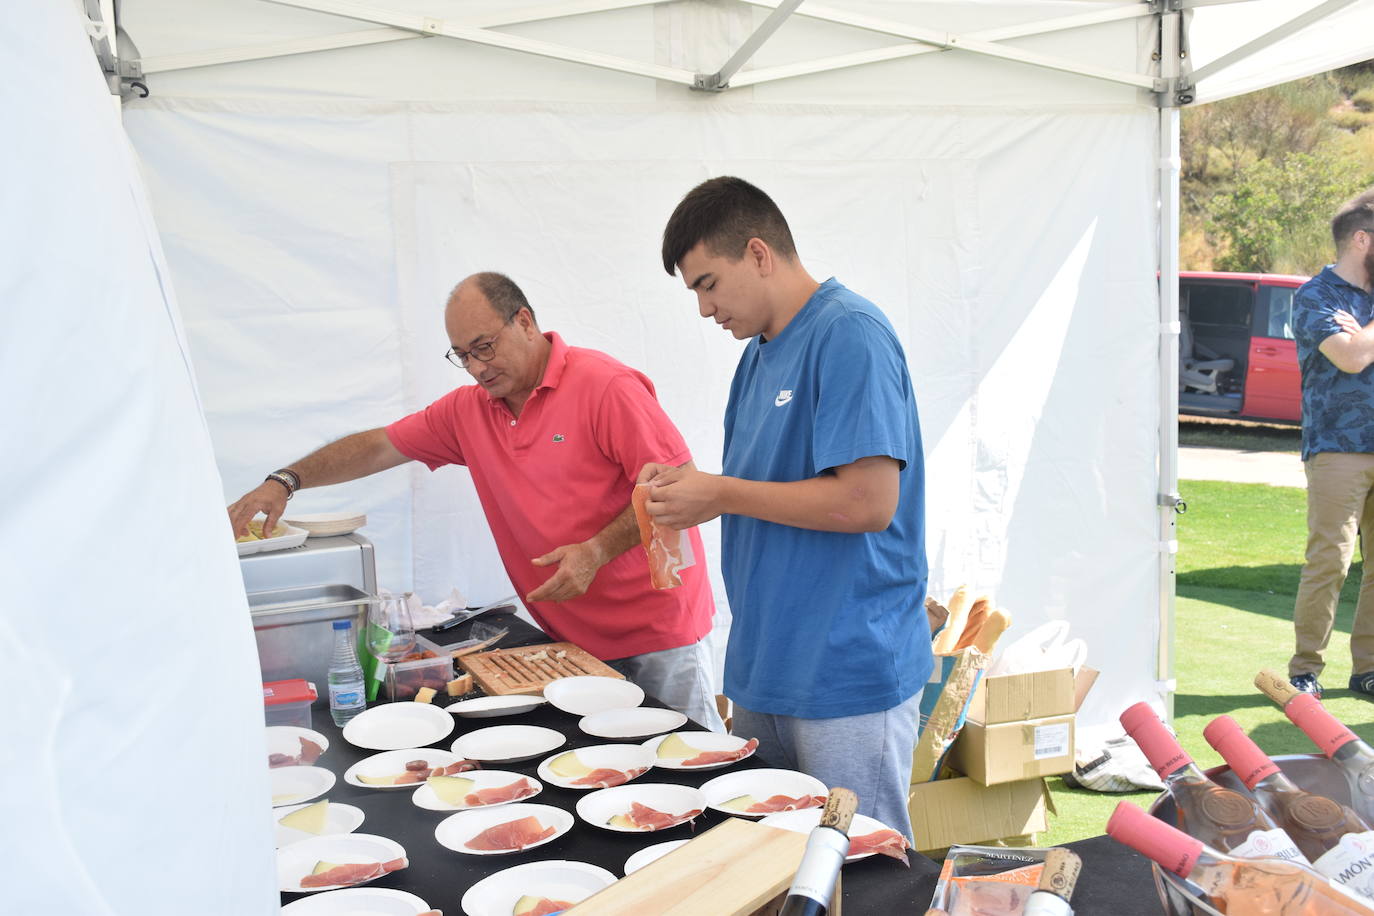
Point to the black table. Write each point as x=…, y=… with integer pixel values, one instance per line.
x=1115, y=880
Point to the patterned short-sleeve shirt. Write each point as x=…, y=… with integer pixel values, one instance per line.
x=1337, y=407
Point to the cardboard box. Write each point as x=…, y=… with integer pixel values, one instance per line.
x=949, y=811
x=1018, y=697
x=997, y=754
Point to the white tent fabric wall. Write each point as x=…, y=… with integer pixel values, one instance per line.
x=127, y=641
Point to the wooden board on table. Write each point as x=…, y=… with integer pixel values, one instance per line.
x=526, y=670
x=738, y=868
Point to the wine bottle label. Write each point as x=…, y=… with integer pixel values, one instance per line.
x=1268, y=843
x=1350, y=863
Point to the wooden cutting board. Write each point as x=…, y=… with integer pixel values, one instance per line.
x=502, y=672
x=739, y=868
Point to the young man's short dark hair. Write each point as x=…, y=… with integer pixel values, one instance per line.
x=503, y=294
x=725, y=213
x=1353, y=216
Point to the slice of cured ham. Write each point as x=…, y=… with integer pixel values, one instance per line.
x=521, y=788
x=605, y=777
x=705, y=758
x=785, y=803
x=512, y=835
x=355, y=873
x=886, y=842
x=545, y=907
x=646, y=818
x=310, y=752
x=669, y=551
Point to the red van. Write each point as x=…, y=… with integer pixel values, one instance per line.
x=1237, y=357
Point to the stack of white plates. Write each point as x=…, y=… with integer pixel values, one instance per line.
x=328, y=524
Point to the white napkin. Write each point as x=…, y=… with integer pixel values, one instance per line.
x=423, y=616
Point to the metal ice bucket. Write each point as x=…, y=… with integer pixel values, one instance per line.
x=1312, y=772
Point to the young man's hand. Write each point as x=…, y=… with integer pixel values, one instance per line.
x=682, y=497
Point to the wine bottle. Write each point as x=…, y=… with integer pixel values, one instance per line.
x=1335, y=839
x=826, y=849
x=1242, y=887
x=1340, y=744
x=1051, y=897
x=1221, y=818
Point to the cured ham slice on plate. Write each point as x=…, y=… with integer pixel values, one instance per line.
x=310, y=752
x=669, y=551
x=542, y=906
x=521, y=788
x=511, y=835
x=886, y=842
x=353, y=873
x=706, y=758
x=605, y=777
x=785, y=803
x=646, y=818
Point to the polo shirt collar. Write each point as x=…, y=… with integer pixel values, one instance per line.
x=1329, y=276
x=558, y=359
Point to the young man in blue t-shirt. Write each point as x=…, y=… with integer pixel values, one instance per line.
x=821, y=503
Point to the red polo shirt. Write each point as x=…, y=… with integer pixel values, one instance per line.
x=557, y=475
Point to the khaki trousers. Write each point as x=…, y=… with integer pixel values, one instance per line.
x=1340, y=513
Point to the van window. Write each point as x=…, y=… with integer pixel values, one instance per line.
x=1219, y=305
x=1277, y=303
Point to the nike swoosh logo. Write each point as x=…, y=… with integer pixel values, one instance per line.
x=783, y=397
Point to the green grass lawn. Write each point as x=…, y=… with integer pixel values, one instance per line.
x=1252, y=437
x=1240, y=554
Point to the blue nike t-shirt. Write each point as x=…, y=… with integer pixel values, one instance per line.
x=825, y=624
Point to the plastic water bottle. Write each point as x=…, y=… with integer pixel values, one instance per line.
x=347, y=695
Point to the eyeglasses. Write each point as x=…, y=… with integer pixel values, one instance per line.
x=482, y=352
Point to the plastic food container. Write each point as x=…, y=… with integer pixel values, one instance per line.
x=404, y=679
x=288, y=702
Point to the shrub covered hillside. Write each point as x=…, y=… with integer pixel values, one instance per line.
x=1263, y=173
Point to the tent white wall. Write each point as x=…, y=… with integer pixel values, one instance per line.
x=134, y=721
x=317, y=206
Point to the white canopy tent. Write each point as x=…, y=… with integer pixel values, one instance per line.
x=997, y=176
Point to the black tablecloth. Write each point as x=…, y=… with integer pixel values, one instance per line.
x=1115, y=881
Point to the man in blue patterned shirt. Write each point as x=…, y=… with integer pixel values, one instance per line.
x=1333, y=321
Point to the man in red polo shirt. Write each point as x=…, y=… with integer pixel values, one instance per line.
x=554, y=437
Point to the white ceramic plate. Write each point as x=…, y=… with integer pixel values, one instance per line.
x=651, y=854
x=293, y=537
x=805, y=821
x=600, y=806
x=489, y=707
x=393, y=763
x=508, y=743
x=569, y=882
x=425, y=796
x=624, y=757
x=339, y=818
x=587, y=694
x=286, y=739
x=762, y=784
x=393, y=726
x=327, y=524
x=456, y=829
x=358, y=901
x=296, y=861
x=639, y=722
x=700, y=741
x=293, y=785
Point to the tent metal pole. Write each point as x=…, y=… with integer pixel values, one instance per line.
x=1273, y=36
x=1168, y=503
x=721, y=78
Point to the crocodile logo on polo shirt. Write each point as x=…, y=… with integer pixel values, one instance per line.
x=783, y=397
x=558, y=437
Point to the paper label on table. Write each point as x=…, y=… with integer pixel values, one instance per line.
x=1051, y=740
x=1350, y=864
x=1273, y=843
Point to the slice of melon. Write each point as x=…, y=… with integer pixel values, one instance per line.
x=321, y=867
x=451, y=790
x=525, y=904
x=378, y=780
x=742, y=803
x=674, y=748
x=568, y=766
x=623, y=822
x=310, y=819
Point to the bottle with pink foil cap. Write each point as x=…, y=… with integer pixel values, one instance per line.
x=1340, y=744
x=1221, y=818
x=1245, y=887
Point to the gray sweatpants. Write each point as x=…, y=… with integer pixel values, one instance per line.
x=869, y=754
x=680, y=677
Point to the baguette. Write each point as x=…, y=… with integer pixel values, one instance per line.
x=997, y=623
x=936, y=614
x=948, y=638
x=976, y=617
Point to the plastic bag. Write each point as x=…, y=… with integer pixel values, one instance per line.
x=987, y=880
x=1043, y=649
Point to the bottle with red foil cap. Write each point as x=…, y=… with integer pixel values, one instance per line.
x=1243, y=887
x=1340, y=744
x=1221, y=818
x=1337, y=842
